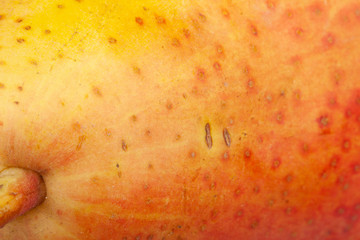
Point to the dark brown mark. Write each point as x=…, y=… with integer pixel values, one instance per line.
x=208, y=138
x=47, y=31
x=18, y=20
x=20, y=88
x=227, y=137
x=27, y=28
x=124, y=145
x=112, y=40
x=20, y=40
x=139, y=21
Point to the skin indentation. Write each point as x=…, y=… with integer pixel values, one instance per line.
x=97, y=92
x=328, y=40
x=270, y=4
x=124, y=146
x=20, y=40
x=200, y=74
x=80, y=143
x=208, y=137
x=217, y=66
x=276, y=163
x=112, y=40
x=225, y=13
x=19, y=20
x=227, y=137
x=160, y=20
x=253, y=30
x=139, y=21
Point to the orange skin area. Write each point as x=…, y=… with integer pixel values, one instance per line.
x=119, y=135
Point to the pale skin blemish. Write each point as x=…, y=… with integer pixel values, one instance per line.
x=80, y=143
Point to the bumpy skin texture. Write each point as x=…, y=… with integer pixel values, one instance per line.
x=109, y=100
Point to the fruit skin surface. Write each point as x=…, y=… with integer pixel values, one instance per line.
x=183, y=119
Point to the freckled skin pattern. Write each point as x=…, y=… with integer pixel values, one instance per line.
x=110, y=101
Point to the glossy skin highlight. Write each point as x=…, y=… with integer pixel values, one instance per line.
x=112, y=111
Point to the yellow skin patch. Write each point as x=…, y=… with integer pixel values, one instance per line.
x=70, y=28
